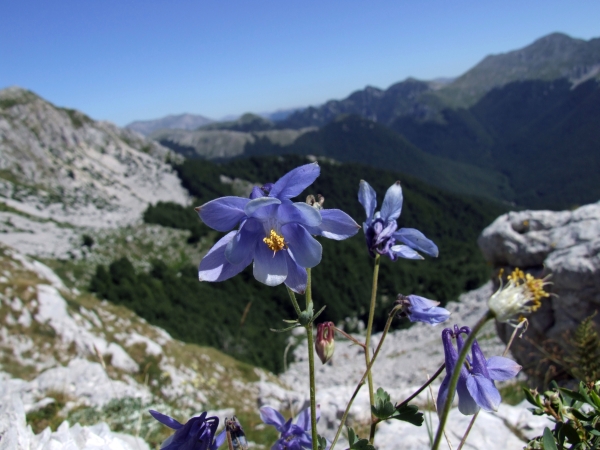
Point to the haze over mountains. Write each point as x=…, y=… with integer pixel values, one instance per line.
x=519, y=127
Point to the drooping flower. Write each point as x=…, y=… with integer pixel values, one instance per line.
x=198, y=433
x=475, y=386
x=420, y=309
x=273, y=232
x=381, y=228
x=294, y=436
x=521, y=295
x=325, y=342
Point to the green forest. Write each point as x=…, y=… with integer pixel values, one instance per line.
x=236, y=315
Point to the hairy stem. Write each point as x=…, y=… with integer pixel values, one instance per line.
x=455, y=375
x=311, y=366
x=362, y=380
x=349, y=337
x=418, y=391
x=464, y=439
x=368, y=340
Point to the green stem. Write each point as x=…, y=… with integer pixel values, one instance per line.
x=362, y=380
x=294, y=302
x=455, y=375
x=311, y=366
x=368, y=342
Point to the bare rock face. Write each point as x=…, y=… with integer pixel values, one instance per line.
x=59, y=164
x=565, y=245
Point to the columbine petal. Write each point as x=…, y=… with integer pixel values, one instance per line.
x=304, y=419
x=269, y=268
x=421, y=303
x=306, y=249
x=467, y=405
x=219, y=440
x=294, y=182
x=224, y=213
x=417, y=240
x=215, y=267
x=301, y=213
x=336, y=225
x=166, y=420
x=483, y=392
x=502, y=369
x=254, y=205
x=392, y=202
x=368, y=198
x=244, y=241
x=404, y=251
x=479, y=362
x=272, y=417
x=432, y=316
x=443, y=393
x=297, y=276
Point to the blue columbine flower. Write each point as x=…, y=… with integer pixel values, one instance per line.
x=273, y=232
x=381, y=229
x=293, y=436
x=475, y=386
x=421, y=309
x=197, y=434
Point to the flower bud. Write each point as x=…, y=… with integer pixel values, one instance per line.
x=325, y=345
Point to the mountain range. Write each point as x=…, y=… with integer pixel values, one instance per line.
x=519, y=127
x=178, y=122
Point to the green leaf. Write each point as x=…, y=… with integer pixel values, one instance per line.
x=410, y=414
x=318, y=313
x=579, y=415
x=596, y=399
x=351, y=436
x=383, y=407
x=574, y=395
x=531, y=398
x=275, y=330
x=584, y=394
x=321, y=442
x=548, y=440
x=570, y=433
x=356, y=443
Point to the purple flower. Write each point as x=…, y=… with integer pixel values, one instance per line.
x=293, y=436
x=273, y=232
x=475, y=386
x=420, y=309
x=381, y=229
x=197, y=434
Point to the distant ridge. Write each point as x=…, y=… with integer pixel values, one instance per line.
x=549, y=58
x=180, y=121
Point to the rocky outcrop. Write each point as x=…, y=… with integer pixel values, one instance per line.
x=59, y=164
x=564, y=245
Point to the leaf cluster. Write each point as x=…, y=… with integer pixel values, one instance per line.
x=576, y=414
x=384, y=409
x=584, y=362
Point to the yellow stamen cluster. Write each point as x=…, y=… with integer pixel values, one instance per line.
x=534, y=285
x=521, y=295
x=275, y=242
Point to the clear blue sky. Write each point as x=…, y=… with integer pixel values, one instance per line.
x=125, y=60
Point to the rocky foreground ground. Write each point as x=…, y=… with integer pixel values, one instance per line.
x=61, y=347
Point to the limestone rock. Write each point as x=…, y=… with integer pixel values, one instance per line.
x=564, y=245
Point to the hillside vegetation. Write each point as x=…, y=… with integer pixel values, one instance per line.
x=235, y=315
